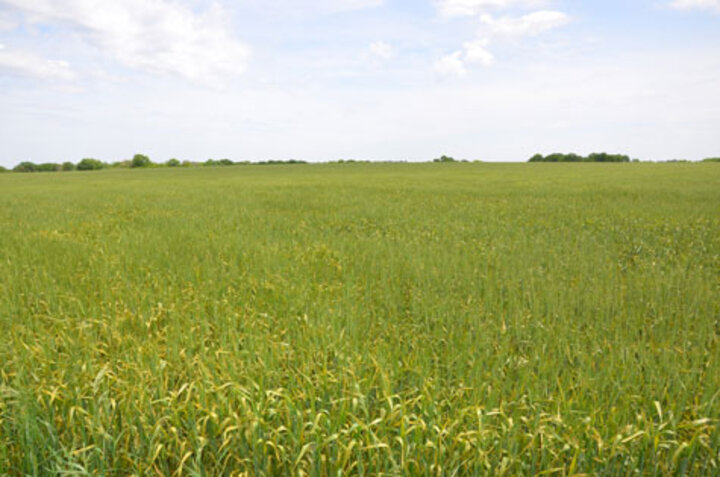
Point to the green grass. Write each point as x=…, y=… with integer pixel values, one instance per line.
x=361, y=319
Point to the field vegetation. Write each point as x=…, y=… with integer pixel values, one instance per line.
x=434, y=319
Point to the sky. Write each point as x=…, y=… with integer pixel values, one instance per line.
x=321, y=80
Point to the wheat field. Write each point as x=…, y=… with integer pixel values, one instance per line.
x=361, y=319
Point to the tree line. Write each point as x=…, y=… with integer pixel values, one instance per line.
x=143, y=161
x=600, y=157
x=594, y=157
x=138, y=161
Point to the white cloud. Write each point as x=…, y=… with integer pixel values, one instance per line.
x=452, y=8
x=451, y=65
x=295, y=8
x=526, y=25
x=382, y=50
x=476, y=52
x=6, y=24
x=156, y=36
x=25, y=63
x=493, y=28
x=357, y=4
x=699, y=4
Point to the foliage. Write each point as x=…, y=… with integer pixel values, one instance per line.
x=712, y=159
x=594, y=157
x=68, y=166
x=26, y=167
x=221, y=162
x=89, y=164
x=140, y=160
x=3, y=169
x=394, y=320
x=172, y=163
x=49, y=167
x=444, y=159
x=126, y=164
x=279, y=163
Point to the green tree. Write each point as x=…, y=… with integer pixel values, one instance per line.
x=140, y=160
x=444, y=159
x=89, y=164
x=26, y=166
x=48, y=167
x=68, y=166
x=3, y=169
x=572, y=157
x=172, y=163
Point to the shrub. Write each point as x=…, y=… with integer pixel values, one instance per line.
x=140, y=160
x=48, y=167
x=173, y=163
x=594, y=157
x=68, y=166
x=712, y=159
x=89, y=164
x=26, y=167
x=444, y=159
x=3, y=169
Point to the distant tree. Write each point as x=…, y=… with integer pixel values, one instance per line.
x=140, y=160
x=444, y=159
x=555, y=157
x=172, y=163
x=89, y=164
x=572, y=157
x=48, y=167
x=605, y=157
x=187, y=164
x=218, y=162
x=712, y=159
x=278, y=163
x=26, y=166
x=3, y=169
x=68, y=166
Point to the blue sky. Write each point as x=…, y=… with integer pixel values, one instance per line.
x=496, y=80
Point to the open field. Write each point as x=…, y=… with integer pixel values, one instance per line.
x=399, y=319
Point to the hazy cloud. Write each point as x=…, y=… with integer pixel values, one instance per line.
x=382, y=50
x=451, y=8
x=492, y=28
x=26, y=63
x=713, y=5
x=451, y=65
x=477, y=52
x=156, y=36
x=527, y=25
